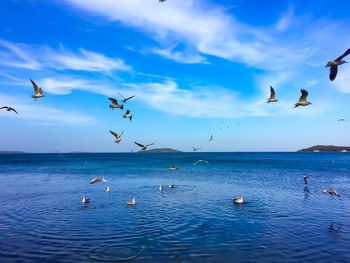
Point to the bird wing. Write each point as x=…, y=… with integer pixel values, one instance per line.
x=150, y=144
x=303, y=96
x=120, y=95
x=36, y=88
x=13, y=110
x=121, y=133
x=4, y=107
x=347, y=52
x=333, y=70
x=114, y=134
x=127, y=112
x=272, y=93
x=129, y=97
x=114, y=101
x=139, y=144
x=41, y=91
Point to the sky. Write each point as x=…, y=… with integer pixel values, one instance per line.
x=196, y=67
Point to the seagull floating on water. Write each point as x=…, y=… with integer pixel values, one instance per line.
x=127, y=115
x=171, y=186
x=100, y=179
x=173, y=168
x=108, y=188
x=143, y=146
x=131, y=202
x=333, y=64
x=118, y=137
x=38, y=92
x=331, y=191
x=161, y=188
x=305, y=179
x=8, y=108
x=272, y=95
x=200, y=161
x=115, y=104
x=238, y=200
x=125, y=99
x=85, y=200
x=303, y=99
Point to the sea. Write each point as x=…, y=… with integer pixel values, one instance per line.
x=42, y=218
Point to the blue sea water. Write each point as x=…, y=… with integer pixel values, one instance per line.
x=42, y=218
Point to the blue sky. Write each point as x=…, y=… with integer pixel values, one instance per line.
x=194, y=66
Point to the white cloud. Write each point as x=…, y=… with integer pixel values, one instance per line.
x=24, y=56
x=286, y=20
x=42, y=114
x=180, y=56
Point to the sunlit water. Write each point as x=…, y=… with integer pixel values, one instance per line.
x=42, y=218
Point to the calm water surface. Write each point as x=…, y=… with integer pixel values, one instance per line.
x=42, y=218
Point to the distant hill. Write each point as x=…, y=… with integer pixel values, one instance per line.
x=326, y=148
x=11, y=152
x=160, y=150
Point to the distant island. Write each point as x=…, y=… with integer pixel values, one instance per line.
x=326, y=148
x=160, y=150
x=12, y=152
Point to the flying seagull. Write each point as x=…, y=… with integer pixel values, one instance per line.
x=341, y=120
x=211, y=137
x=195, y=148
x=333, y=64
x=272, y=95
x=38, y=92
x=100, y=179
x=162, y=1
x=125, y=99
x=118, y=137
x=200, y=161
x=303, y=101
x=143, y=146
x=331, y=191
x=8, y=109
x=127, y=115
x=115, y=104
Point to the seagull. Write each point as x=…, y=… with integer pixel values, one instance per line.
x=8, y=109
x=305, y=179
x=200, y=161
x=333, y=64
x=211, y=137
x=331, y=191
x=107, y=188
x=131, y=202
x=85, y=200
x=161, y=188
x=38, y=91
x=125, y=99
x=173, y=168
x=171, y=186
x=238, y=200
x=272, y=95
x=341, y=120
x=118, y=138
x=127, y=115
x=195, y=148
x=303, y=101
x=143, y=146
x=115, y=104
x=100, y=179
x=162, y=1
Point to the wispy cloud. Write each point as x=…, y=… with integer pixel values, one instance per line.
x=42, y=114
x=25, y=56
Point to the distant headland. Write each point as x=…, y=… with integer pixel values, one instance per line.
x=160, y=150
x=326, y=148
x=12, y=152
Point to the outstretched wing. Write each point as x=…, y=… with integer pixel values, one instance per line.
x=36, y=88
x=13, y=110
x=347, y=52
x=139, y=144
x=120, y=95
x=127, y=112
x=4, y=107
x=114, y=134
x=41, y=91
x=129, y=98
x=150, y=144
x=333, y=70
x=272, y=93
x=121, y=133
x=303, y=96
x=114, y=101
